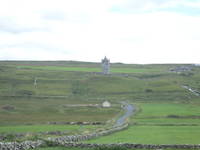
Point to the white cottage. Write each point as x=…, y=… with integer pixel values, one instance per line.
x=106, y=104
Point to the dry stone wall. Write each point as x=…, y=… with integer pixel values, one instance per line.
x=77, y=138
x=133, y=146
x=21, y=146
x=31, y=145
x=78, y=123
x=64, y=140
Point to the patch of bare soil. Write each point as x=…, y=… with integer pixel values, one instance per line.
x=8, y=107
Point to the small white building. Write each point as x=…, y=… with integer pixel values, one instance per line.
x=106, y=104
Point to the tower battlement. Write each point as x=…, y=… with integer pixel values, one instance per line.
x=105, y=65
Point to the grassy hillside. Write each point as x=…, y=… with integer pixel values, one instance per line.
x=163, y=106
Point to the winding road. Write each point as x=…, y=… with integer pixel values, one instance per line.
x=129, y=111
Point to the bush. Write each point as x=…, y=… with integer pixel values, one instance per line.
x=50, y=143
x=10, y=137
x=148, y=90
x=79, y=88
x=173, y=116
x=25, y=92
x=8, y=107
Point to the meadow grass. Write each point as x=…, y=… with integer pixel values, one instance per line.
x=167, y=113
x=43, y=128
x=152, y=88
x=150, y=110
x=92, y=69
x=153, y=135
x=165, y=121
x=42, y=111
x=80, y=69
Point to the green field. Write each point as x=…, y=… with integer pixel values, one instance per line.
x=44, y=128
x=154, y=135
x=160, y=123
x=166, y=112
x=91, y=69
x=42, y=111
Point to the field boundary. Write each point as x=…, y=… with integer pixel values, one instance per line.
x=133, y=146
x=36, y=144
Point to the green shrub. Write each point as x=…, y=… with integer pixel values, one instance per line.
x=148, y=90
x=25, y=92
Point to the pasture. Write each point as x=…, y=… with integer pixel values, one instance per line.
x=91, y=69
x=16, y=111
x=152, y=134
x=44, y=128
x=166, y=113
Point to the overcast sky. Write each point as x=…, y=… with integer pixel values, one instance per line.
x=129, y=31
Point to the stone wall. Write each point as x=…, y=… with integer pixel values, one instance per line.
x=21, y=146
x=63, y=140
x=133, y=146
x=31, y=145
x=77, y=138
x=78, y=123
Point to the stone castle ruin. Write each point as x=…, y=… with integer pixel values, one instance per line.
x=105, y=65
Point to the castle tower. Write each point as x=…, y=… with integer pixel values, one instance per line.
x=105, y=66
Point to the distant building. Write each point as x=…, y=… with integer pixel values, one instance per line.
x=105, y=66
x=106, y=104
x=197, y=65
x=179, y=69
